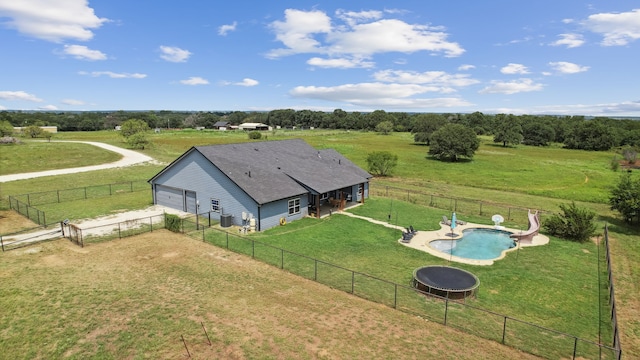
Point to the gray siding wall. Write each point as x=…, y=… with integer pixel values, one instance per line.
x=273, y=211
x=195, y=173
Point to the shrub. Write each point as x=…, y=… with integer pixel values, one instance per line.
x=255, y=135
x=172, y=222
x=574, y=223
x=382, y=162
x=9, y=140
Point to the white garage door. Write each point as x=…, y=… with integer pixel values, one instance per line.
x=170, y=197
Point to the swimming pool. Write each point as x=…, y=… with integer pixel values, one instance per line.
x=477, y=244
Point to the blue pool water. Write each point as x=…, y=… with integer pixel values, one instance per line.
x=476, y=243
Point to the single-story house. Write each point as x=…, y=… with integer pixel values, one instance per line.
x=254, y=126
x=221, y=125
x=265, y=183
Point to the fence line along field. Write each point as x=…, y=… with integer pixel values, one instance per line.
x=139, y=296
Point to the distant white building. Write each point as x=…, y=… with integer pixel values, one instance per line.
x=254, y=126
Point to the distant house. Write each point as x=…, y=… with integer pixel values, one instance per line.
x=49, y=129
x=254, y=126
x=221, y=125
x=271, y=182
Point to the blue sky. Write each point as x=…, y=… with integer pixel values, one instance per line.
x=496, y=56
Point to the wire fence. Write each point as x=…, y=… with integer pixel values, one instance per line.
x=608, y=301
x=28, y=237
x=462, y=205
x=95, y=234
x=24, y=204
x=81, y=193
x=529, y=337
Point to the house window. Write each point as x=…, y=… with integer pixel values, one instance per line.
x=294, y=206
x=215, y=205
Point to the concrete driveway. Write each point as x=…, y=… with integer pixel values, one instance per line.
x=129, y=157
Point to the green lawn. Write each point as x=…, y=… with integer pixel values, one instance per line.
x=553, y=285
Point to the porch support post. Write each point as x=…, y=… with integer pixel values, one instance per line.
x=318, y=206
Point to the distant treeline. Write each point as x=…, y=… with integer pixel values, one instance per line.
x=599, y=133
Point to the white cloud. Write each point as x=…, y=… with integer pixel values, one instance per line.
x=570, y=40
x=174, y=54
x=48, y=107
x=83, y=53
x=436, y=78
x=353, y=17
x=195, y=80
x=341, y=63
x=114, y=75
x=466, y=67
x=626, y=108
x=362, y=35
x=72, y=102
x=52, y=20
x=2, y=107
x=514, y=69
x=567, y=67
x=18, y=96
x=511, y=87
x=378, y=94
x=224, y=29
x=247, y=82
x=616, y=28
x=567, y=21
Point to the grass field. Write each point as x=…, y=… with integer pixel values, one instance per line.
x=136, y=298
x=521, y=176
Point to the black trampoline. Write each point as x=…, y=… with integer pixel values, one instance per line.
x=445, y=281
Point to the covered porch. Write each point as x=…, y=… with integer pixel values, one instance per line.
x=321, y=205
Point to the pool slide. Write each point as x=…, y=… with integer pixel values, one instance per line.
x=534, y=227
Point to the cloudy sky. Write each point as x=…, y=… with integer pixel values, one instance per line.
x=494, y=56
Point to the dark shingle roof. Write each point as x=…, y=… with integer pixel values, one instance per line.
x=273, y=170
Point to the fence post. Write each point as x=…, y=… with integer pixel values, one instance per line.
x=1, y=243
x=28, y=200
x=227, y=240
x=151, y=223
x=85, y=193
x=480, y=207
x=10, y=203
x=395, y=296
x=131, y=186
x=281, y=258
x=253, y=249
x=58, y=193
x=28, y=213
x=38, y=217
x=446, y=308
x=504, y=329
x=509, y=216
x=110, y=193
x=575, y=347
x=119, y=237
x=203, y=233
x=44, y=219
x=353, y=280
x=315, y=270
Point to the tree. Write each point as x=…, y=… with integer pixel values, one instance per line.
x=384, y=127
x=537, y=134
x=382, y=162
x=135, y=133
x=591, y=135
x=574, y=223
x=424, y=125
x=33, y=131
x=507, y=130
x=625, y=198
x=453, y=141
x=6, y=129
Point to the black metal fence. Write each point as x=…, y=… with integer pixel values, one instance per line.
x=81, y=193
x=609, y=299
x=27, y=237
x=523, y=335
x=30, y=212
x=24, y=204
x=467, y=206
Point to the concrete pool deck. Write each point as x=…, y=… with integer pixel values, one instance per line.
x=421, y=239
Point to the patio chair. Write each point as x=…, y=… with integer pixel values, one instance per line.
x=445, y=221
x=413, y=231
x=460, y=222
